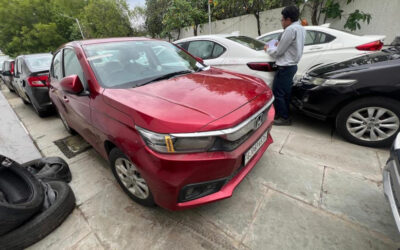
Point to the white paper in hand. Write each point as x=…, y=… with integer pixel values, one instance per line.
x=272, y=44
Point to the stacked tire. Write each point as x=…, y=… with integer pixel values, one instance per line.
x=34, y=200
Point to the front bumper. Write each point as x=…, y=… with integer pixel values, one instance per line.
x=168, y=174
x=391, y=186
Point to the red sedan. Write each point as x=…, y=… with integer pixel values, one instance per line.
x=176, y=132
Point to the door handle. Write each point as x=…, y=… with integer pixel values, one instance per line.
x=65, y=99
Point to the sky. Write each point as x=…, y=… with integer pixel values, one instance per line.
x=133, y=3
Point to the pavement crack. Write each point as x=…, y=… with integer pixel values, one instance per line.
x=321, y=194
x=284, y=143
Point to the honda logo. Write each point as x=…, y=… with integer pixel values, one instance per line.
x=258, y=121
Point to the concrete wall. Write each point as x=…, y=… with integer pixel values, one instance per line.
x=385, y=20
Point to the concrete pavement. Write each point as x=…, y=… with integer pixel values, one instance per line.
x=311, y=190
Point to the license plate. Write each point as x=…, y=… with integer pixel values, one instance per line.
x=254, y=149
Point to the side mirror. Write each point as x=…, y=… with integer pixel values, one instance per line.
x=199, y=59
x=72, y=84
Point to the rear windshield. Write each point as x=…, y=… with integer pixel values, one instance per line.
x=39, y=62
x=248, y=42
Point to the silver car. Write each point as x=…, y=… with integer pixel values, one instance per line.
x=391, y=180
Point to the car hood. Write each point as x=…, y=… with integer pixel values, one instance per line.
x=188, y=102
x=359, y=63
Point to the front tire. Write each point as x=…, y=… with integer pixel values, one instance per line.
x=130, y=179
x=371, y=122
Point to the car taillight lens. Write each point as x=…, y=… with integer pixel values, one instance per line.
x=12, y=68
x=373, y=46
x=37, y=81
x=261, y=66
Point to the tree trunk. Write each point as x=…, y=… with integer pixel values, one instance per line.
x=179, y=34
x=315, y=8
x=195, y=30
x=257, y=15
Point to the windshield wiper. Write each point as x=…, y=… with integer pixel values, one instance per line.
x=166, y=76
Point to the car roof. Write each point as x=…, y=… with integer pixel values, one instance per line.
x=109, y=40
x=214, y=36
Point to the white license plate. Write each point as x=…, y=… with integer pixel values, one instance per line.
x=254, y=149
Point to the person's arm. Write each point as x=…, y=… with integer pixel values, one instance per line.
x=283, y=45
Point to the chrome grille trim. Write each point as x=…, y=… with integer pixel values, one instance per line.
x=229, y=130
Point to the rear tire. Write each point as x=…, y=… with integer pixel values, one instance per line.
x=129, y=178
x=371, y=122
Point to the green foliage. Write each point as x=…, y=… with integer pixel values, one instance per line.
x=353, y=21
x=182, y=13
x=155, y=12
x=33, y=26
x=106, y=18
x=333, y=9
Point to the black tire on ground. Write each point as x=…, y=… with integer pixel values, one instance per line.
x=113, y=156
x=23, y=195
x=380, y=102
x=43, y=223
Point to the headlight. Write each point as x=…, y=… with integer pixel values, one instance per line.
x=331, y=82
x=165, y=143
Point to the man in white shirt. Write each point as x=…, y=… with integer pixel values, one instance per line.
x=287, y=54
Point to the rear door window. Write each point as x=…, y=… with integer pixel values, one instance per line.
x=248, y=42
x=270, y=37
x=202, y=49
x=56, y=69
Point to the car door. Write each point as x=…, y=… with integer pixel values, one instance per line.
x=77, y=106
x=17, y=76
x=315, y=46
x=211, y=52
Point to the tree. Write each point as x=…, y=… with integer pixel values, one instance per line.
x=155, y=11
x=256, y=6
x=332, y=9
x=106, y=18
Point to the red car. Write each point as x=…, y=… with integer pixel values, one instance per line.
x=176, y=132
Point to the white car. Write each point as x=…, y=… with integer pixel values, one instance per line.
x=324, y=45
x=232, y=52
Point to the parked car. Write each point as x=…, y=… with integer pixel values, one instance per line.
x=30, y=81
x=324, y=45
x=391, y=180
x=8, y=73
x=231, y=52
x=361, y=94
x=176, y=132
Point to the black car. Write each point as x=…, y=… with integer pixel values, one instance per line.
x=391, y=180
x=30, y=81
x=8, y=73
x=362, y=95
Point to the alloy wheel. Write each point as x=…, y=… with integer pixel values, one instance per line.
x=131, y=178
x=372, y=123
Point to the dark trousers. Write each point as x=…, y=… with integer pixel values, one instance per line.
x=282, y=88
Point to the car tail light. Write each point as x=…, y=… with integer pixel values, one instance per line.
x=12, y=68
x=373, y=46
x=37, y=81
x=261, y=66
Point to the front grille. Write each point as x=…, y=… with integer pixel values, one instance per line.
x=222, y=144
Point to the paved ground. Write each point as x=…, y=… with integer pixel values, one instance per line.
x=311, y=190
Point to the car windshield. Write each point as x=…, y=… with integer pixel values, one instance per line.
x=135, y=63
x=248, y=42
x=39, y=62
